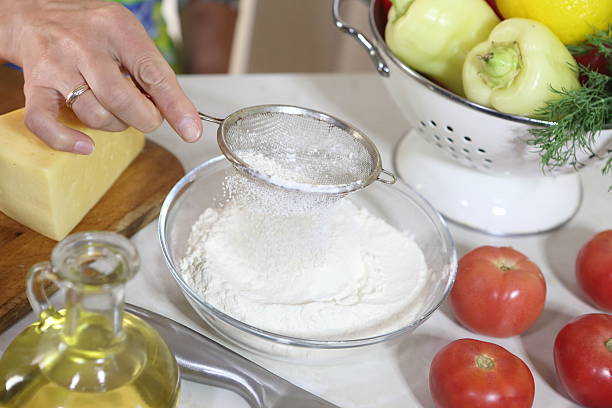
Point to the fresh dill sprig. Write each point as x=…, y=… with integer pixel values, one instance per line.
x=580, y=114
x=600, y=40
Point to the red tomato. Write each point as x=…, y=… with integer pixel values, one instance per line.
x=469, y=373
x=498, y=291
x=594, y=270
x=594, y=60
x=387, y=5
x=583, y=359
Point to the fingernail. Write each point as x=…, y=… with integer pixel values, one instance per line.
x=83, y=147
x=189, y=129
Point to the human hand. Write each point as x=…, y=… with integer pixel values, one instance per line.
x=62, y=44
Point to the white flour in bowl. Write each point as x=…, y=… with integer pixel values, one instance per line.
x=337, y=274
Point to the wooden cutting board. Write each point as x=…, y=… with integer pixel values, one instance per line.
x=131, y=203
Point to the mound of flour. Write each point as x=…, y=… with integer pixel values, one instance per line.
x=341, y=273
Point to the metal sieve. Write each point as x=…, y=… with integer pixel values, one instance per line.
x=299, y=149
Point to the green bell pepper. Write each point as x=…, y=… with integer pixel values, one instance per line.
x=434, y=36
x=515, y=70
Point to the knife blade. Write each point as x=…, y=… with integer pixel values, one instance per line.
x=205, y=361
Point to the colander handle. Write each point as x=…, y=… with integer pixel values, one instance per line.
x=377, y=59
x=389, y=178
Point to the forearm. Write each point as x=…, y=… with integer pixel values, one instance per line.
x=208, y=32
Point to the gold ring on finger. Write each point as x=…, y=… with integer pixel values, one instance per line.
x=75, y=93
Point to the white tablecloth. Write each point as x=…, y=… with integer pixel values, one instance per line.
x=400, y=378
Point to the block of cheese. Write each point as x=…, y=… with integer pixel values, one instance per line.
x=51, y=191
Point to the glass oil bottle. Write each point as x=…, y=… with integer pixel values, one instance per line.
x=91, y=353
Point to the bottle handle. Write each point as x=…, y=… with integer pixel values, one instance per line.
x=35, y=288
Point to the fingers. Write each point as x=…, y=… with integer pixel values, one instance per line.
x=89, y=111
x=86, y=106
x=41, y=113
x=61, y=51
x=117, y=94
x=146, y=65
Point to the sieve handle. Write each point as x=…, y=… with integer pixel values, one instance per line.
x=209, y=118
x=392, y=178
x=377, y=59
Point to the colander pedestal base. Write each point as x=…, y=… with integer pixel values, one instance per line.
x=497, y=205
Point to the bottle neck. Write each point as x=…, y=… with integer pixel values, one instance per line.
x=94, y=317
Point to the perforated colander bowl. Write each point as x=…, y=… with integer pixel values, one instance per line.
x=476, y=161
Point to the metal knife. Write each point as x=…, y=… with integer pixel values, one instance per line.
x=205, y=361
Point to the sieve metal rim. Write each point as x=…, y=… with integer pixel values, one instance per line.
x=337, y=189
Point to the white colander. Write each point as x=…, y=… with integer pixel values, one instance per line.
x=471, y=162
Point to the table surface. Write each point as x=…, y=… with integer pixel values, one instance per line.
x=400, y=378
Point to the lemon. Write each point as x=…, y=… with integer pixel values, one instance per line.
x=570, y=20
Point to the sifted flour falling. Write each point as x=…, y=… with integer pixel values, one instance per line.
x=258, y=196
x=307, y=267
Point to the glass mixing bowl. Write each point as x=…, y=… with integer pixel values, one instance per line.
x=398, y=204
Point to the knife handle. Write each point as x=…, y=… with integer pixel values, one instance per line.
x=204, y=361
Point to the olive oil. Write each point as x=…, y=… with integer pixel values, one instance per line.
x=90, y=354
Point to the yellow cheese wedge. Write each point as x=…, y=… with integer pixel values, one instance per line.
x=51, y=191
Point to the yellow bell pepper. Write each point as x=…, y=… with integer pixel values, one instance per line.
x=515, y=70
x=434, y=36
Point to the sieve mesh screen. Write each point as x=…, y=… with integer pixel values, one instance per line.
x=301, y=151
